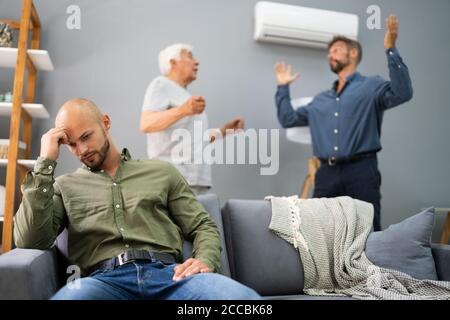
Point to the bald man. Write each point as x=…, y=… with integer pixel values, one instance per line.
x=126, y=218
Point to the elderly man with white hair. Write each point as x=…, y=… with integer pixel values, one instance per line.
x=168, y=106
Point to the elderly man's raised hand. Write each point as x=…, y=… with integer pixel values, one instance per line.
x=235, y=125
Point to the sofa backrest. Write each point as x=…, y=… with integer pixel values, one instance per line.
x=212, y=206
x=258, y=258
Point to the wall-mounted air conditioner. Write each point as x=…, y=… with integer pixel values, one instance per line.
x=287, y=24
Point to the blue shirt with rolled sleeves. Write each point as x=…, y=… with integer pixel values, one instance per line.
x=349, y=123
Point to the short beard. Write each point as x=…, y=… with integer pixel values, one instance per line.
x=102, y=153
x=338, y=68
x=340, y=65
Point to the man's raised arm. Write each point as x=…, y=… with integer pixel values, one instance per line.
x=41, y=216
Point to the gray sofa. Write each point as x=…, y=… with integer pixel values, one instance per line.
x=251, y=254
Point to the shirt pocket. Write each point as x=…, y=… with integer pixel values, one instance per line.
x=88, y=214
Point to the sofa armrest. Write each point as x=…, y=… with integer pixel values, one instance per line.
x=441, y=254
x=259, y=258
x=27, y=274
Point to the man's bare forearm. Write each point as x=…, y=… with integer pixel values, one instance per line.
x=153, y=121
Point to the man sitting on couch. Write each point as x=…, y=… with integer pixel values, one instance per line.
x=125, y=218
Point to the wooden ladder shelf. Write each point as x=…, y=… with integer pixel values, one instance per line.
x=29, y=23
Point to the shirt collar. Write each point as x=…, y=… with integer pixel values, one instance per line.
x=125, y=154
x=348, y=79
x=353, y=76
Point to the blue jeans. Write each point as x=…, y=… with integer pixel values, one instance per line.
x=360, y=180
x=144, y=280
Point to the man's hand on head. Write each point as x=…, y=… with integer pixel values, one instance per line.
x=190, y=267
x=51, y=142
x=391, y=32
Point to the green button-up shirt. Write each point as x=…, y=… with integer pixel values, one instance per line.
x=147, y=205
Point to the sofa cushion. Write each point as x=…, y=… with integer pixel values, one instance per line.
x=405, y=246
x=258, y=258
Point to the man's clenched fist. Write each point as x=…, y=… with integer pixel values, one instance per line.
x=195, y=105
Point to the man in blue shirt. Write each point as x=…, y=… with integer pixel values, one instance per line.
x=345, y=121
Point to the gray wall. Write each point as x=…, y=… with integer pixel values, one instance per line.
x=112, y=59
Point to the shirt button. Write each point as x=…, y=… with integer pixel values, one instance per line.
x=117, y=206
x=44, y=190
x=337, y=99
x=336, y=131
x=336, y=114
x=127, y=245
x=50, y=168
x=102, y=171
x=336, y=148
x=114, y=184
x=121, y=229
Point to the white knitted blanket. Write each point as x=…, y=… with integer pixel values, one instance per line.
x=330, y=235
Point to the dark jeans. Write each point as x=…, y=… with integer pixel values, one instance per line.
x=360, y=180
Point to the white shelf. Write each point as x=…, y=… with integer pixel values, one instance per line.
x=5, y=142
x=40, y=58
x=37, y=111
x=2, y=219
x=26, y=163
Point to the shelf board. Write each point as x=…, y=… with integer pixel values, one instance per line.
x=26, y=163
x=40, y=58
x=37, y=111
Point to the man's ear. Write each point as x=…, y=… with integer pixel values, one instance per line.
x=173, y=63
x=106, y=120
x=354, y=54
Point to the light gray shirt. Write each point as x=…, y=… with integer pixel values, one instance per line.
x=182, y=143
